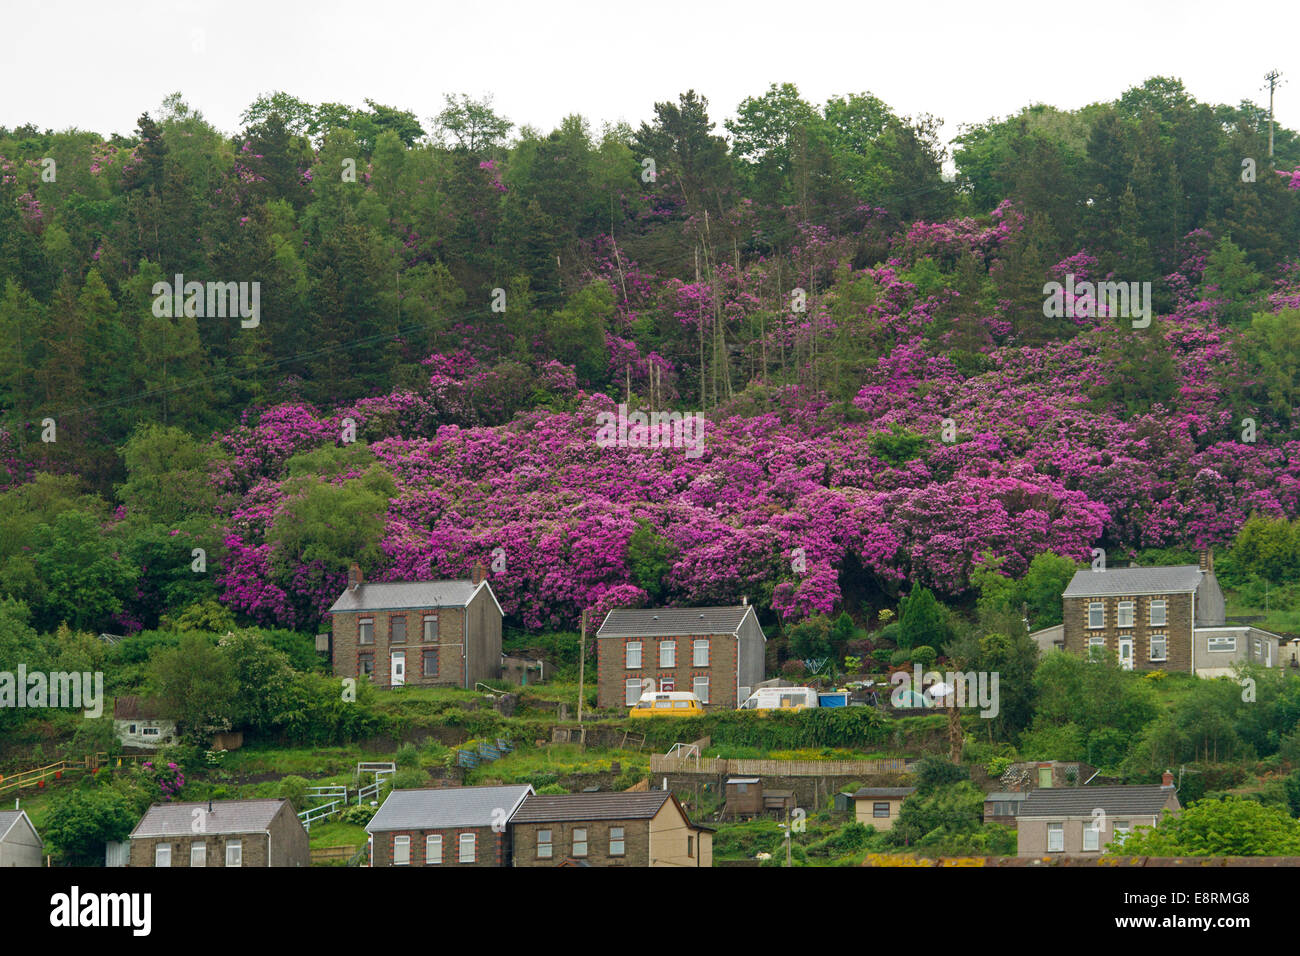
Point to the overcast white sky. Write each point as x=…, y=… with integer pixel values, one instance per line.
x=98, y=66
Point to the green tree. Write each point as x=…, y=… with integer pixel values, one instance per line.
x=195, y=683
x=921, y=620
x=1230, y=827
x=80, y=822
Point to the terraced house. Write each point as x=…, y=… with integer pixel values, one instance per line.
x=231, y=833
x=717, y=653
x=648, y=828
x=447, y=827
x=426, y=633
x=1158, y=618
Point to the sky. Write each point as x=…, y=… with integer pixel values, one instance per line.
x=98, y=66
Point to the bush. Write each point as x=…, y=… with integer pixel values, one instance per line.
x=294, y=789
x=794, y=670
x=407, y=757
x=358, y=816
x=409, y=778
x=551, y=788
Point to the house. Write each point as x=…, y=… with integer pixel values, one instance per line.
x=426, y=633
x=648, y=828
x=20, y=844
x=879, y=806
x=220, y=833
x=1161, y=618
x=451, y=826
x=1080, y=821
x=1003, y=806
x=717, y=653
x=140, y=724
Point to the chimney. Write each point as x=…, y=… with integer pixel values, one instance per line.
x=1167, y=780
x=477, y=574
x=744, y=601
x=354, y=577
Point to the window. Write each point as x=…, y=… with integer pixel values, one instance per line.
x=1056, y=838
x=1159, y=647
x=1159, y=610
x=633, y=654
x=580, y=842
x=467, y=846
x=150, y=732
x=234, y=854
x=133, y=730
x=1096, y=614
x=1121, y=831
x=742, y=788
x=433, y=849
x=162, y=855
x=401, y=851
x=632, y=691
x=690, y=846
x=667, y=653
x=700, y=653
x=1091, y=836
x=616, y=841
x=667, y=683
x=544, y=851
x=430, y=663
x=880, y=810
x=366, y=631
x=1096, y=648
x=366, y=663
x=701, y=686
x=397, y=629
x=198, y=854
x=430, y=628
x=1126, y=615
x=1223, y=644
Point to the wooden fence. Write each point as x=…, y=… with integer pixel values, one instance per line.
x=38, y=775
x=776, y=768
x=328, y=854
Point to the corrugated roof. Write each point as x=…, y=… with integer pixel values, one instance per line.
x=226, y=816
x=438, y=809
x=866, y=792
x=576, y=807
x=1121, y=581
x=670, y=621
x=400, y=595
x=1081, y=801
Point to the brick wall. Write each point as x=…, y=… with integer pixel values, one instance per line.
x=636, y=842
x=612, y=672
x=450, y=661
x=1178, y=629
x=490, y=848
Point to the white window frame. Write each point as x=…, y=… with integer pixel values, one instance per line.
x=1120, y=832
x=1056, y=830
x=1164, y=646
x=1164, y=613
x=237, y=856
x=365, y=625
x=426, y=629
x=433, y=849
x=579, y=845
x=545, y=848
x=632, y=691
x=667, y=654
x=1123, y=607
x=1100, y=608
x=162, y=855
x=1091, y=835
x=402, y=850
x=698, y=645
x=1231, y=639
x=198, y=854
x=617, y=844
x=701, y=682
x=632, y=650
x=393, y=620
x=467, y=840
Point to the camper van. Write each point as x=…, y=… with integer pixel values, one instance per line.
x=670, y=703
x=781, y=698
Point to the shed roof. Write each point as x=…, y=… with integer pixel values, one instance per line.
x=437, y=809
x=670, y=621
x=226, y=816
x=1081, y=801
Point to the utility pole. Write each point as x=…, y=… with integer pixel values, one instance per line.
x=582, y=667
x=1272, y=76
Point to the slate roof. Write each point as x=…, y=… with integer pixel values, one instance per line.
x=576, y=807
x=671, y=621
x=405, y=595
x=446, y=807
x=7, y=820
x=1120, y=581
x=867, y=792
x=227, y=816
x=1081, y=801
x=1007, y=795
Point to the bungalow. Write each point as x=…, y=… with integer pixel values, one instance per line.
x=647, y=828
x=139, y=723
x=879, y=806
x=427, y=633
x=1081, y=821
x=20, y=844
x=220, y=833
x=717, y=653
x=451, y=826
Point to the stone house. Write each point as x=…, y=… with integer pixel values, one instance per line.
x=448, y=827
x=140, y=724
x=1081, y=821
x=20, y=844
x=648, y=828
x=879, y=806
x=220, y=833
x=424, y=633
x=717, y=653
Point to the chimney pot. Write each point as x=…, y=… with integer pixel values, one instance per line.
x=354, y=577
x=1167, y=779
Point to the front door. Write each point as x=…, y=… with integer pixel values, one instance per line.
x=399, y=668
x=1126, y=653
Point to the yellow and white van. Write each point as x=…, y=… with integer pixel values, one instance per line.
x=667, y=703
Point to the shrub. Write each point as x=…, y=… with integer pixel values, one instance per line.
x=294, y=789
x=407, y=757
x=551, y=788
x=409, y=778
x=794, y=669
x=358, y=816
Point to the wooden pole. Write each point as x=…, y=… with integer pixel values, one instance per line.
x=582, y=667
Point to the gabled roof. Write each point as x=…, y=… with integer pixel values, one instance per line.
x=577, y=807
x=10, y=818
x=226, y=816
x=1081, y=801
x=867, y=793
x=128, y=707
x=439, y=809
x=410, y=595
x=1177, y=579
x=672, y=621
